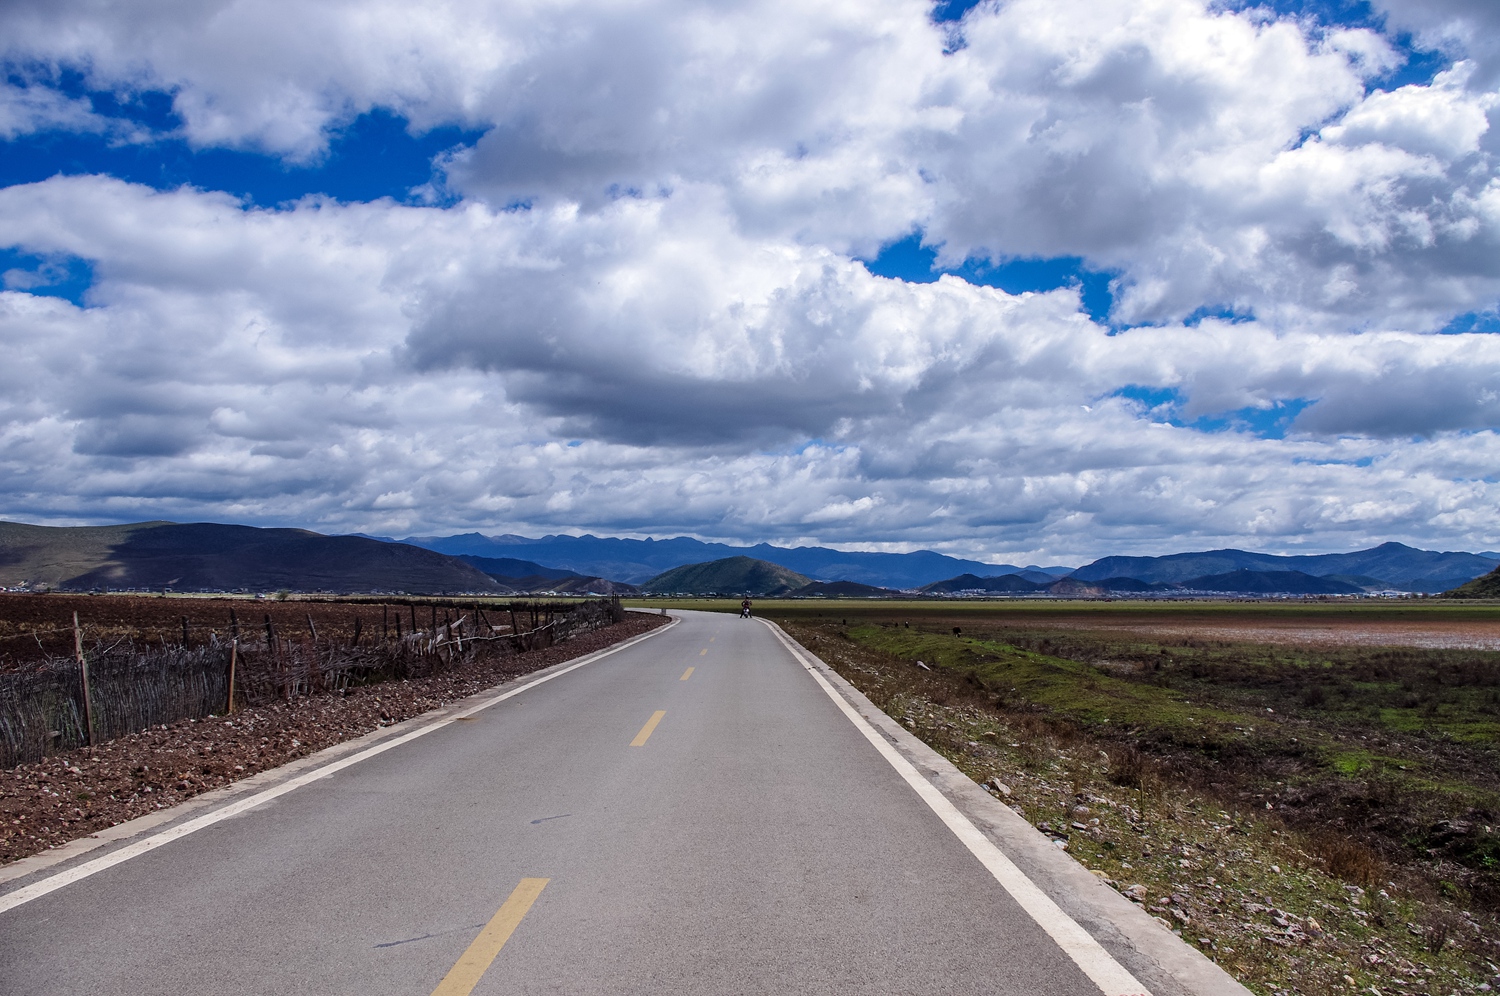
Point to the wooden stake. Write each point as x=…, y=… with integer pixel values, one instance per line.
x=186, y=644
x=234, y=652
x=83, y=667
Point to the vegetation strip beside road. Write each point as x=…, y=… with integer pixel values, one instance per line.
x=79, y=792
x=1229, y=823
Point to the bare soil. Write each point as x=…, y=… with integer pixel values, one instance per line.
x=1432, y=635
x=76, y=793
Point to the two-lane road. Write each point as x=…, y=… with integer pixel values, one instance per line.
x=693, y=814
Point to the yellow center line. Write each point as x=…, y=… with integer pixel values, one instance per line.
x=465, y=974
x=703, y=652
x=686, y=675
x=645, y=734
x=711, y=639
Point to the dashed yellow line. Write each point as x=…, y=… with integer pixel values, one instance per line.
x=645, y=734
x=472, y=964
x=686, y=675
x=703, y=652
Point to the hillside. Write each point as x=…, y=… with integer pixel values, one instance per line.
x=639, y=560
x=1487, y=586
x=1132, y=585
x=730, y=576
x=842, y=589
x=214, y=557
x=509, y=568
x=1004, y=584
x=1393, y=564
x=1271, y=583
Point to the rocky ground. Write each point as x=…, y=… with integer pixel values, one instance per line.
x=74, y=794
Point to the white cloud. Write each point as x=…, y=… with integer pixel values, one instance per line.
x=26, y=109
x=1212, y=157
x=391, y=368
x=680, y=298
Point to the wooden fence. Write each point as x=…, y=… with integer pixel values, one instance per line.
x=107, y=690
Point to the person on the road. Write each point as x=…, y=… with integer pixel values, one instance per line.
x=745, y=609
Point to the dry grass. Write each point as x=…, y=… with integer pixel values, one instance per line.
x=1284, y=904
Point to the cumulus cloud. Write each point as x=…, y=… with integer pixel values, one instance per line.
x=643, y=308
x=385, y=367
x=1213, y=158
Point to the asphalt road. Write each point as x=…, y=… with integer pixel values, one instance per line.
x=751, y=841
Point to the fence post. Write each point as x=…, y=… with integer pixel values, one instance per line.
x=186, y=643
x=234, y=652
x=83, y=666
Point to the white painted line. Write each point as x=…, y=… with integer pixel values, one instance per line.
x=1088, y=954
x=79, y=872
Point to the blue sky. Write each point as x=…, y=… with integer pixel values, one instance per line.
x=381, y=274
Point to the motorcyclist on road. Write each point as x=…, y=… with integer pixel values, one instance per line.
x=745, y=609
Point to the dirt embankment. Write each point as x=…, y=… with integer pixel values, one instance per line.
x=74, y=794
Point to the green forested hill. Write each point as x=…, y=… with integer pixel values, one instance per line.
x=730, y=576
x=1485, y=586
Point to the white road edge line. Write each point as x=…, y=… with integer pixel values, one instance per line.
x=1088, y=954
x=79, y=872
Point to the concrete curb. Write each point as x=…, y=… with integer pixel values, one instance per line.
x=1155, y=955
x=65, y=854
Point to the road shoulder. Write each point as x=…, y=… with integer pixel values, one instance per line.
x=1157, y=957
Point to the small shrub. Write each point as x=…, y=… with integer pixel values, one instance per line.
x=1348, y=859
x=1440, y=928
x=1128, y=767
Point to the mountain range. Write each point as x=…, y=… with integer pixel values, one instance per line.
x=214, y=556
x=207, y=556
x=527, y=576
x=1390, y=565
x=1241, y=582
x=637, y=561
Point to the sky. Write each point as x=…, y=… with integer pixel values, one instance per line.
x=1029, y=281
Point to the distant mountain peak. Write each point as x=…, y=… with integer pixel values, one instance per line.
x=730, y=576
